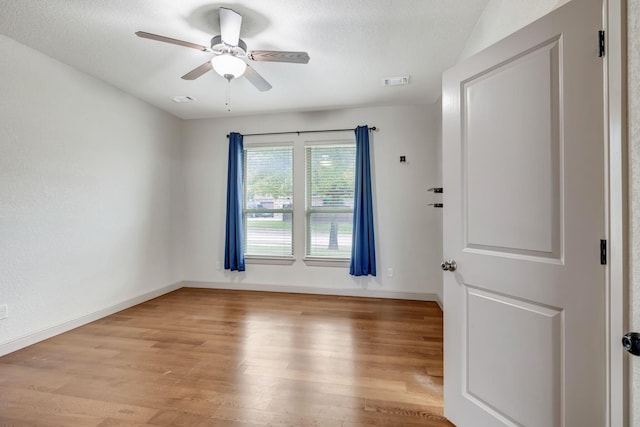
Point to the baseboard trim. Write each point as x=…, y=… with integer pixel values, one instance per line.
x=32, y=338
x=366, y=293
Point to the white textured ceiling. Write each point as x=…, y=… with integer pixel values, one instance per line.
x=353, y=44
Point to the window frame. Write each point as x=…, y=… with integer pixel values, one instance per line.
x=318, y=260
x=298, y=144
x=261, y=258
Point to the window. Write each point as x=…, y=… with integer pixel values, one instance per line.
x=268, y=201
x=322, y=174
x=330, y=171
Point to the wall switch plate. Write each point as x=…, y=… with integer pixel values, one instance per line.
x=4, y=311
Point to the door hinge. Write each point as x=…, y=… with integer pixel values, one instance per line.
x=603, y=252
x=601, y=43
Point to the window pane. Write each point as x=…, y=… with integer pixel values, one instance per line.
x=330, y=189
x=331, y=174
x=330, y=234
x=268, y=201
x=268, y=173
x=268, y=236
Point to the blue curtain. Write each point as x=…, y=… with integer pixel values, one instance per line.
x=233, y=252
x=363, y=251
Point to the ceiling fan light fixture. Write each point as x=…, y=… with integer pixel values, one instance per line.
x=228, y=65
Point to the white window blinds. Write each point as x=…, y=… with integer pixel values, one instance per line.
x=330, y=171
x=268, y=201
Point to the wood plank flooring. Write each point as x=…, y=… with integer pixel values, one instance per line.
x=200, y=357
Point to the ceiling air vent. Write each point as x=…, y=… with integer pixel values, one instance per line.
x=182, y=98
x=395, y=81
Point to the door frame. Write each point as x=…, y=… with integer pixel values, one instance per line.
x=617, y=195
x=616, y=207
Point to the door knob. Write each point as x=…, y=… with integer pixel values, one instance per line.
x=631, y=343
x=449, y=265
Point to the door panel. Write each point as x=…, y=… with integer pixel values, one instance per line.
x=525, y=390
x=522, y=96
x=523, y=169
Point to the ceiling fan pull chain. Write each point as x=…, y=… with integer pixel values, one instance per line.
x=228, y=96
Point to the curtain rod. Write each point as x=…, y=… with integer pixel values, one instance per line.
x=371, y=129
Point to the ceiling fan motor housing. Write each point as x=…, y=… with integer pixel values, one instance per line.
x=218, y=46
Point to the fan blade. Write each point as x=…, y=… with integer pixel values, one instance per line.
x=279, y=56
x=198, y=71
x=230, y=23
x=146, y=35
x=256, y=79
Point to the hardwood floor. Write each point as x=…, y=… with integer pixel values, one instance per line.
x=199, y=357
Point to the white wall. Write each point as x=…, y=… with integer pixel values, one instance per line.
x=503, y=17
x=633, y=40
x=408, y=232
x=89, y=185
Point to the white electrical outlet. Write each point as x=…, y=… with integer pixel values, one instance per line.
x=390, y=272
x=4, y=311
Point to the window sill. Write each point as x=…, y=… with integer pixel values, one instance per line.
x=269, y=260
x=326, y=262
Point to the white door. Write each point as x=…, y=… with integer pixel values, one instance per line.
x=524, y=211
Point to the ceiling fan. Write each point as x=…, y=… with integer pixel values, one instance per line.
x=229, y=49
